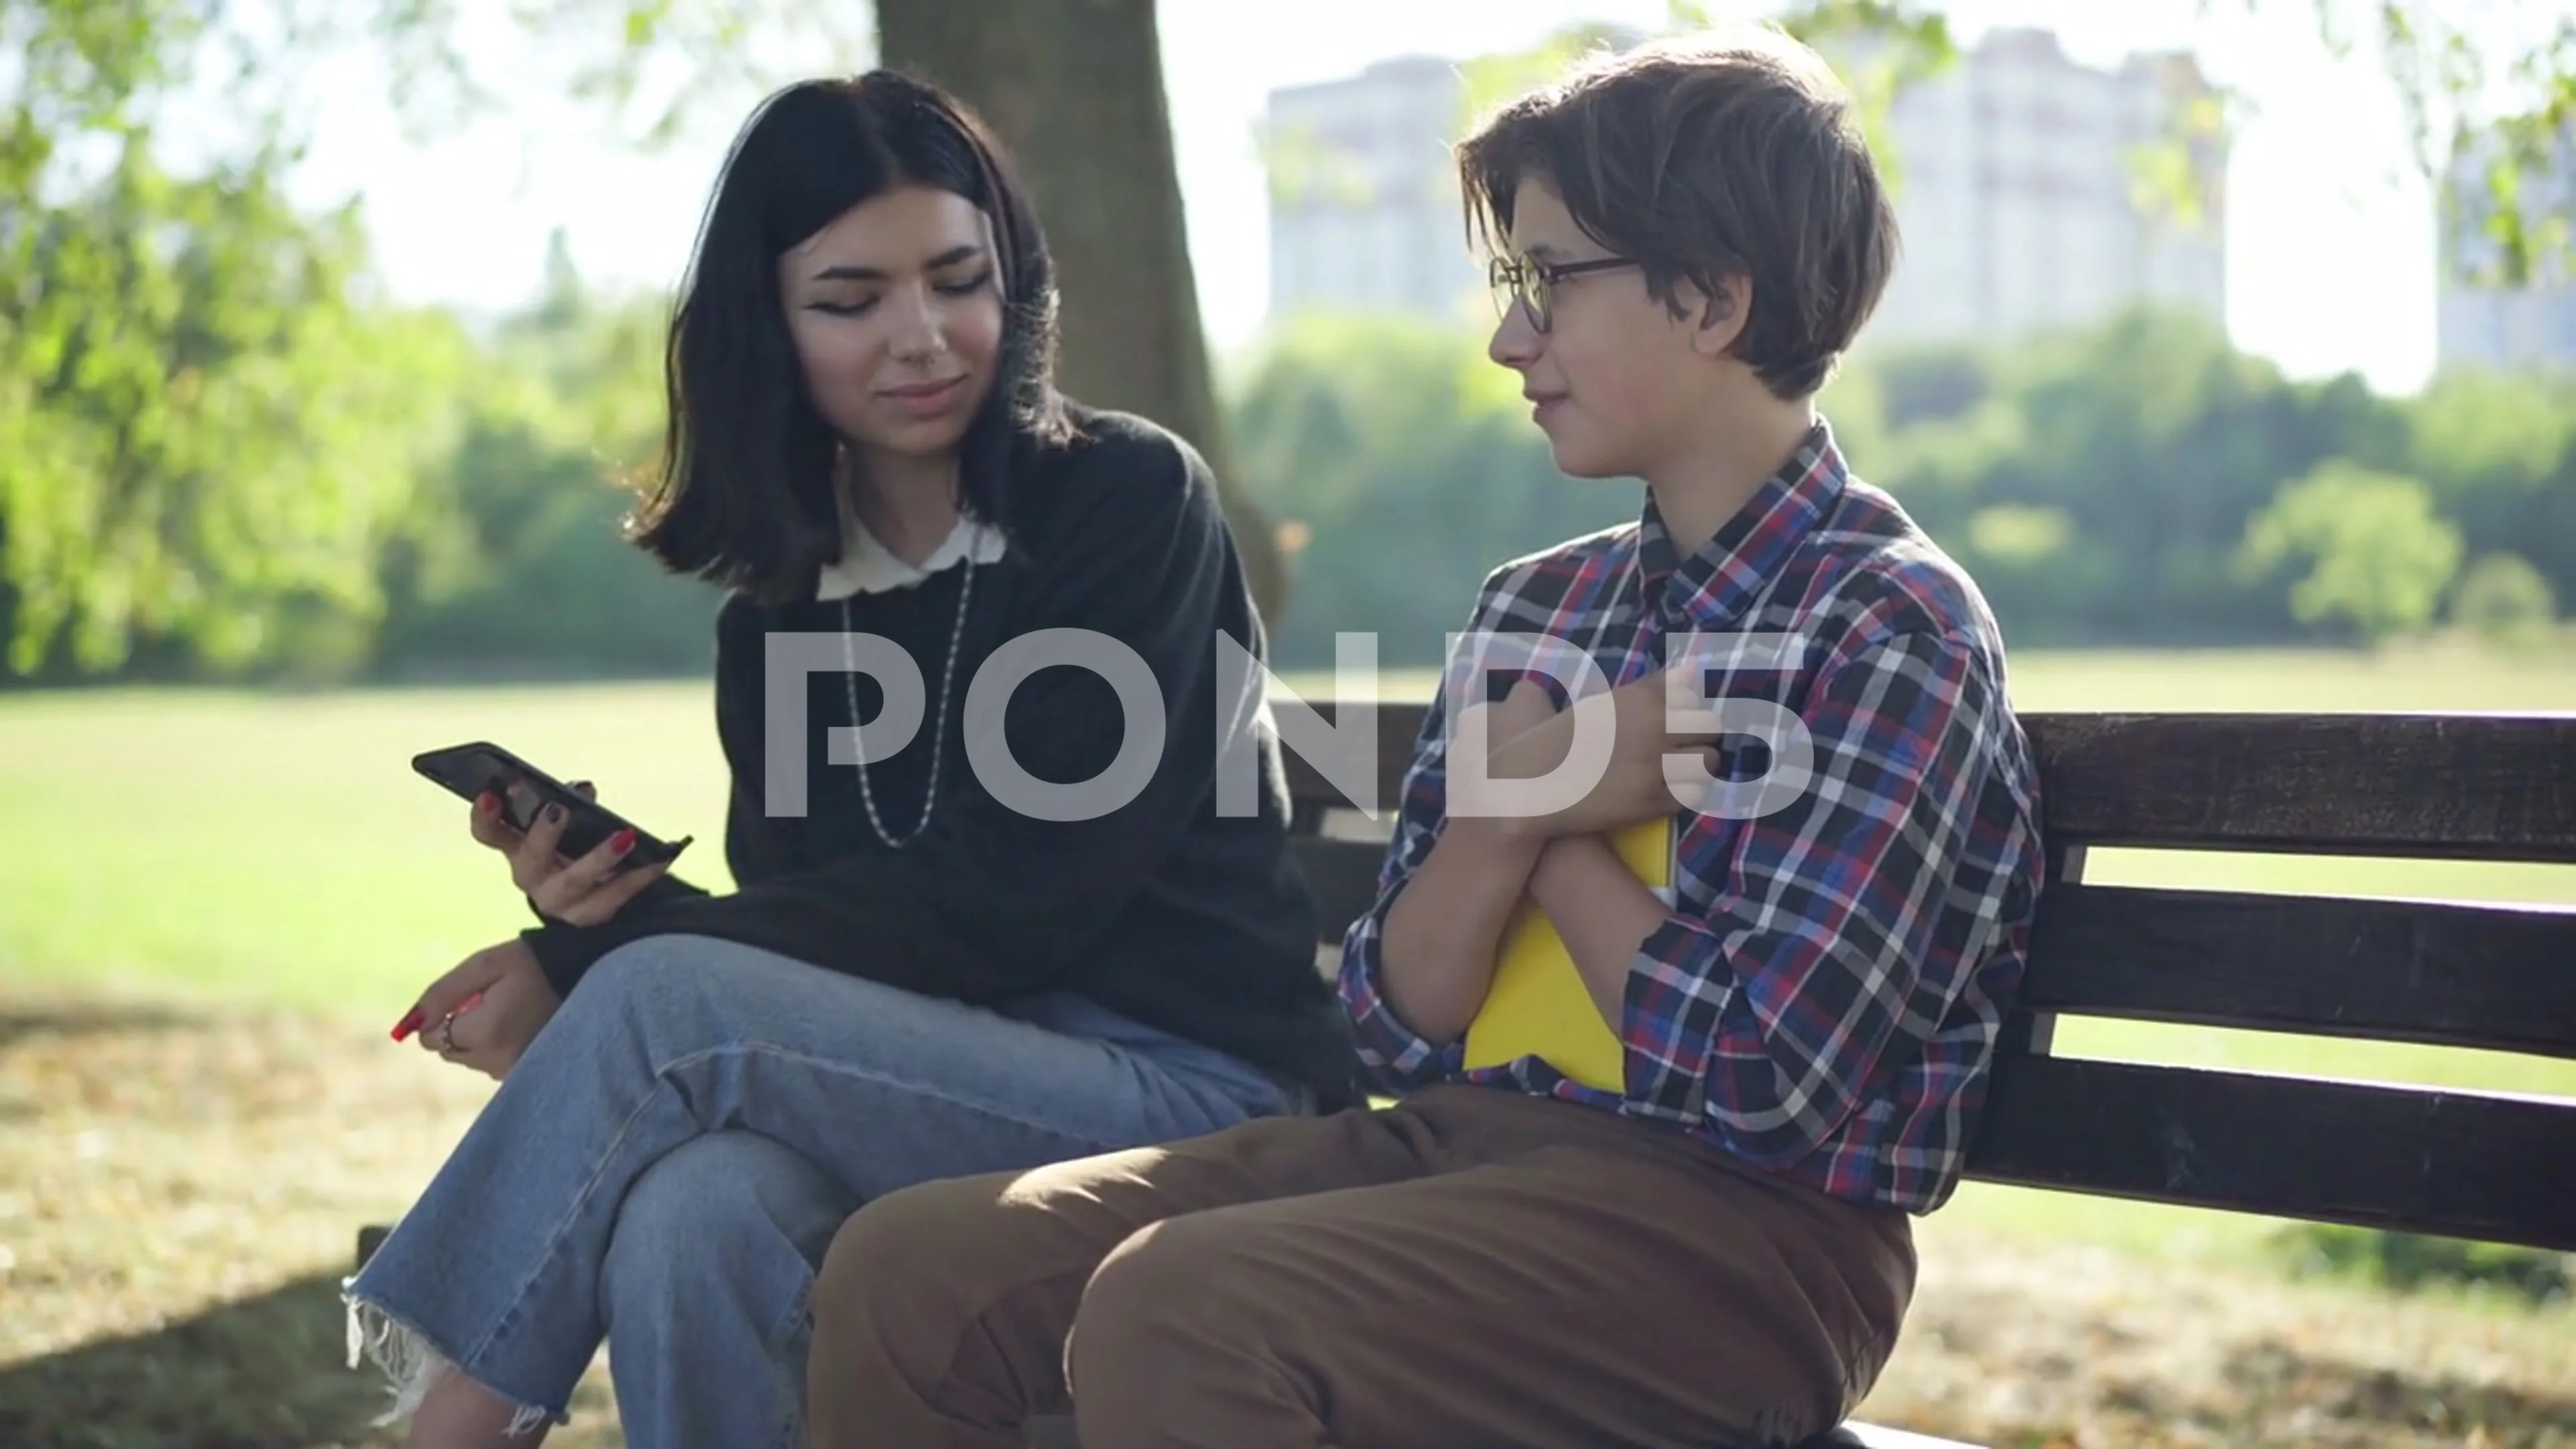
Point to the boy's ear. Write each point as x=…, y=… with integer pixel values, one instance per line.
x=1722, y=315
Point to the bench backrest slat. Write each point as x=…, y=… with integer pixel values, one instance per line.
x=2493, y=977
x=2457, y=787
x=2455, y=1163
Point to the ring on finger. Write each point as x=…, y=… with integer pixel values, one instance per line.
x=447, y=1034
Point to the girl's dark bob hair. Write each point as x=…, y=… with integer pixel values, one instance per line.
x=744, y=496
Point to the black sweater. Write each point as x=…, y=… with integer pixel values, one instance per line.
x=1162, y=910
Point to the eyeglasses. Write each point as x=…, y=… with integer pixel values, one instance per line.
x=1517, y=281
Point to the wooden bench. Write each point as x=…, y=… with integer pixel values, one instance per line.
x=2499, y=978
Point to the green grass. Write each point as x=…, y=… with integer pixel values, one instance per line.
x=279, y=848
x=282, y=848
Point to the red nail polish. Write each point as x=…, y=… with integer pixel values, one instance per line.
x=622, y=842
x=486, y=803
x=409, y=1024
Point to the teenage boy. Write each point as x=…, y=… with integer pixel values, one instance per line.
x=1707, y=1240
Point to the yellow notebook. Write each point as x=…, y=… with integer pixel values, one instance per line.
x=1537, y=1006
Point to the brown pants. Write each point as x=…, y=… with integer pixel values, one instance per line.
x=1473, y=1267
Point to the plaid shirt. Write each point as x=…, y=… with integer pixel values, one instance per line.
x=1822, y=1000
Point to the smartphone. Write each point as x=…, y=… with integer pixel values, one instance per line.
x=471, y=770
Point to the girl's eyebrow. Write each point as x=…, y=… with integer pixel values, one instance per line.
x=848, y=273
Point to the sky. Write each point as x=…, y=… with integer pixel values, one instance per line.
x=2331, y=262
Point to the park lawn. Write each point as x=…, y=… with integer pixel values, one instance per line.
x=279, y=847
x=225, y=849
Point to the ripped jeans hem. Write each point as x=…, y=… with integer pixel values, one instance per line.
x=413, y=1365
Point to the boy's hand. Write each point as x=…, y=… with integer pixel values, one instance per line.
x=1649, y=719
x=1524, y=709
x=1500, y=724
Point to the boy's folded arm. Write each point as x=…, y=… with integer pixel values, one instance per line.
x=1774, y=1012
x=1437, y=948
x=1401, y=1057
x=1601, y=911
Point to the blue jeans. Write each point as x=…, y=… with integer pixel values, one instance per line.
x=669, y=1160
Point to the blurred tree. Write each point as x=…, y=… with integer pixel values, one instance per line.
x=516, y=562
x=208, y=429
x=2100, y=486
x=2500, y=450
x=2378, y=558
x=1076, y=92
x=1387, y=442
x=202, y=437
x=2501, y=598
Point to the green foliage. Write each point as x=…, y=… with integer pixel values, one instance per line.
x=2157, y=441
x=202, y=438
x=517, y=561
x=2407, y=1262
x=210, y=439
x=2502, y=599
x=2378, y=558
x=1410, y=462
x=2500, y=450
x=219, y=455
x=2101, y=486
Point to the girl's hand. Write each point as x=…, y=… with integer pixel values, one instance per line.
x=579, y=892
x=483, y=1013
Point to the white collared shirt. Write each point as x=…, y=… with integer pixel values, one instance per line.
x=867, y=566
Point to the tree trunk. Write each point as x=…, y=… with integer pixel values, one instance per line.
x=1075, y=89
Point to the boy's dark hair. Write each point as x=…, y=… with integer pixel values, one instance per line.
x=745, y=493
x=1700, y=157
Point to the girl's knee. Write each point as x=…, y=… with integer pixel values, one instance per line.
x=722, y=1206
x=667, y=990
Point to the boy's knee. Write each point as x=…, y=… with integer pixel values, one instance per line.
x=907, y=1258
x=1184, y=1285
x=1180, y=1341
x=895, y=1312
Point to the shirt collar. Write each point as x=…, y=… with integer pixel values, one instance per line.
x=1713, y=587
x=867, y=566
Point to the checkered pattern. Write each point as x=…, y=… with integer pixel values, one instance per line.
x=1823, y=999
